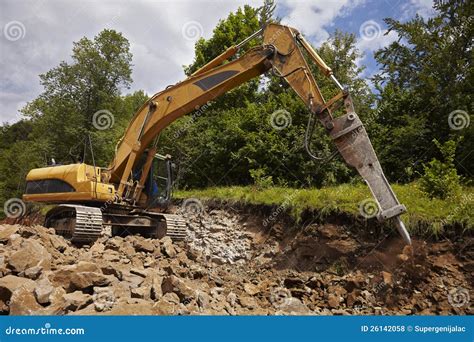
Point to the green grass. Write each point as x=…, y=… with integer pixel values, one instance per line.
x=422, y=211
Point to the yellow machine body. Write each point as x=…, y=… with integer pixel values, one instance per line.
x=67, y=183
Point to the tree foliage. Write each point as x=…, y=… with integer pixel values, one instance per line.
x=440, y=178
x=425, y=75
x=231, y=140
x=58, y=121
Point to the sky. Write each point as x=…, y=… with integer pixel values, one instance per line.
x=38, y=34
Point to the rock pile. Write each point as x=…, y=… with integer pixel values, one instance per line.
x=226, y=268
x=220, y=237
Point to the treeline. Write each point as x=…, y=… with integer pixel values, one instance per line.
x=422, y=92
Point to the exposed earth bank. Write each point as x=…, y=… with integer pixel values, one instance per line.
x=234, y=263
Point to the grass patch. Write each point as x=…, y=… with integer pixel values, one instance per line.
x=436, y=214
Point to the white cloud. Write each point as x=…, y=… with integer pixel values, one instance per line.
x=154, y=29
x=422, y=7
x=313, y=17
x=383, y=39
x=372, y=37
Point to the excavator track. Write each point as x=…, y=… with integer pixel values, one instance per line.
x=176, y=227
x=83, y=224
x=77, y=223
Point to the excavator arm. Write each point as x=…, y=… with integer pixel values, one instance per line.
x=282, y=51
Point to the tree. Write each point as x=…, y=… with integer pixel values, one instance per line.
x=63, y=114
x=267, y=12
x=231, y=141
x=59, y=120
x=440, y=178
x=425, y=76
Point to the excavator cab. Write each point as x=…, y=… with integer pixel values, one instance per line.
x=158, y=187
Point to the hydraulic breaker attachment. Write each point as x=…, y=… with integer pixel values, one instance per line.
x=289, y=62
x=352, y=141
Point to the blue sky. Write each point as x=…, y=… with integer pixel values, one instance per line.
x=38, y=34
x=359, y=14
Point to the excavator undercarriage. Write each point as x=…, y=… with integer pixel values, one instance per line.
x=85, y=224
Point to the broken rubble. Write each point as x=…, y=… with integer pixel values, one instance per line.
x=30, y=254
x=228, y=266
x=33, y=272
x=43, y=291
x=76, y=300
x=183, y=289
x=167, y=247
x=7, y=231
x=23, y=302
x=87, y=280
x=144, y=245
x=11, y=283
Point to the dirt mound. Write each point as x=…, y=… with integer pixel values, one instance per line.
x=233, y=264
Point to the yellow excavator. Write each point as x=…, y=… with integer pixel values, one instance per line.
x=89, y=199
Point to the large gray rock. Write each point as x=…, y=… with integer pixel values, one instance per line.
x=30, y=254
x=76, y=300
x=43, y=291
x=6, y=231
x=10, y=283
